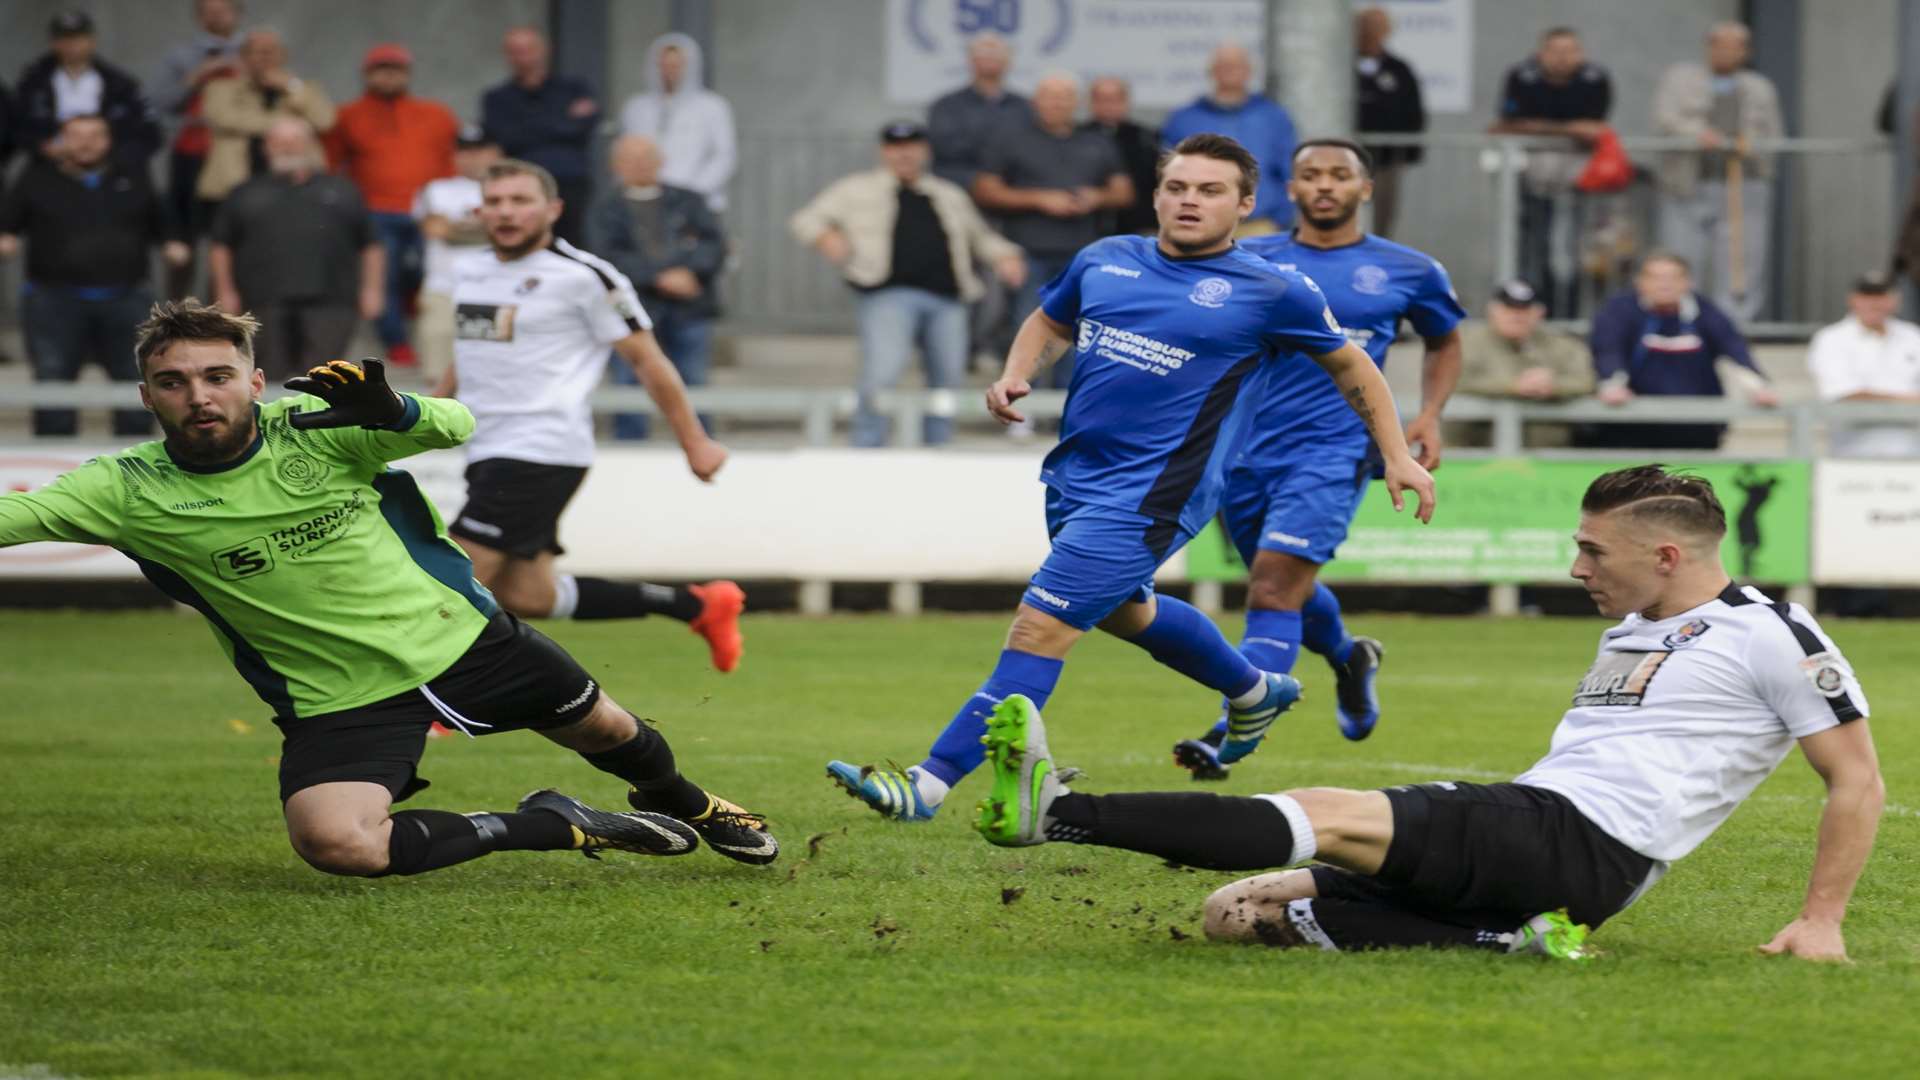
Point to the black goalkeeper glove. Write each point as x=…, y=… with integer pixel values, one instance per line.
x=356, y=395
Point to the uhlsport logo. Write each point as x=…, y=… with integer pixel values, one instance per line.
x=1046, y=597
x=1211, y=292
x=1370, y=279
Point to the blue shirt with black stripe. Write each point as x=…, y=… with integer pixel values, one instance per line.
x=1371, y=285
x=1165, y=351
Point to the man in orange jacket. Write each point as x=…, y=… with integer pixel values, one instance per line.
x=391, y=144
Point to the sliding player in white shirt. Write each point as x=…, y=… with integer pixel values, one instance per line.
x=534, y=317
x=1696, y=696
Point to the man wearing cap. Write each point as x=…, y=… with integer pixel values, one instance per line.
x=448, y=210
x=391, y=144
x=907, y=242
x=1513, y=355
x=71, y=81
x=1869, y=356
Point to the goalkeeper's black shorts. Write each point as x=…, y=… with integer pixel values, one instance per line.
x=1494, y=856
x=512, y=678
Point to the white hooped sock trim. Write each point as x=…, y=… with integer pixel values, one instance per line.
x=932, y=789
x=1254, y=695
x=566, y=596
x=1305, y=844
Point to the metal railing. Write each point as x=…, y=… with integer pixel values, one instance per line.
x=815, y=414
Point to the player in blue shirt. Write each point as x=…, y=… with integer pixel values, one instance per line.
x=1169, y=335
x=1293, y=488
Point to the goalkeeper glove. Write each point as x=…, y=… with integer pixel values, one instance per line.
x=354, y=396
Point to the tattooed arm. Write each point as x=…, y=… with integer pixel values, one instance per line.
x=1041, y=341
x=1366, y=393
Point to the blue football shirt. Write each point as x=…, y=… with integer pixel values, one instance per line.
x=1164, y=348
x=1371, y=285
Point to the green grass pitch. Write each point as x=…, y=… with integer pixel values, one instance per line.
x=154, y=922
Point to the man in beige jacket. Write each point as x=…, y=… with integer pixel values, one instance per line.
x=239, y=110
x=907, y=242
x=1723, y=107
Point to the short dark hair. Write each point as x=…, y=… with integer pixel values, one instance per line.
x=1212, y=144
x=1359, y=152
x=1655, y=494
x=506, y=167
x=174, y=321
x=1558, y=31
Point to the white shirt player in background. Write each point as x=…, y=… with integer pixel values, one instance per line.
x=1699, y=692
x=448, y=210
x=534, y=318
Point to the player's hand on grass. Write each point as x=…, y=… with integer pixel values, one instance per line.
x=357, y=395
x=1424, y=433
x=705, y=457
x=1809, y=939
x=1001, y=396
x=1406, y=475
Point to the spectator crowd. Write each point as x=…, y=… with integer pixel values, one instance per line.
x=321, y=216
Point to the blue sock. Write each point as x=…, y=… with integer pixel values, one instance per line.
x=1272, y=643
x=1184, y=639
x=1322, y=630
x=957, y=751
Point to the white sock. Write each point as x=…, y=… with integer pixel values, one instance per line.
x=932, y=789
x=1305, y=844
x=1252, y=697
x=566, y=596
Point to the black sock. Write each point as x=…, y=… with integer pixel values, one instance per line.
x=646, y=762
x=425, y=840
x=603, y=599
x=1358, y=925
x=1213, y=832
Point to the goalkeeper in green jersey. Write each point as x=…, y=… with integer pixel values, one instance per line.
x=331, y=584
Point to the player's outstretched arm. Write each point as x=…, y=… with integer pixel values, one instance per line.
x=1039, y=343
x=662, y=382
x=1845, y=759
x=1367, y=394
x=80, y=507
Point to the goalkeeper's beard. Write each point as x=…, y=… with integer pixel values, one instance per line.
x=210, y=446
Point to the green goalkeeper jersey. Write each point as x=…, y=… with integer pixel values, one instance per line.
x=328, y=577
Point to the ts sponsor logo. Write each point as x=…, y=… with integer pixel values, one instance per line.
x=1211, y=292
x=244, y=560
x=1122, y=271
x=1047, y=598
x=1134, y=350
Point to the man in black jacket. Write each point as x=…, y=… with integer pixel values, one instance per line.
x=1110, y=101
x=89, y=223
x=1387, y=97
x=666, y=241
x=70, y=81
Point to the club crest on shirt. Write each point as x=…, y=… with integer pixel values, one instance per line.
x=1211, y=292
x=526, y=286
x=1827, y=673
x=1688, y=633
x=484, y=322
x=301, y=473
x=1370, y=279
